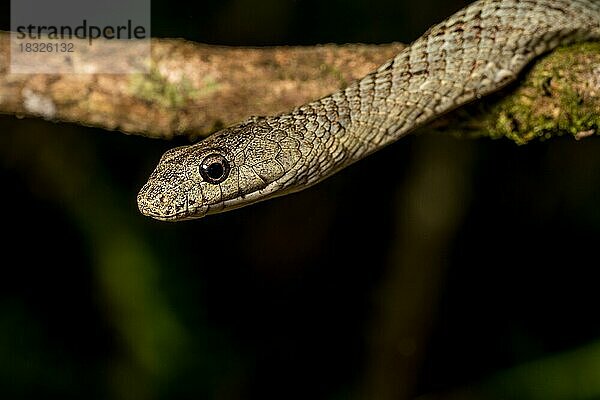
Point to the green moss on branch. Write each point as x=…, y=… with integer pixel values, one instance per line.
x=558, y=96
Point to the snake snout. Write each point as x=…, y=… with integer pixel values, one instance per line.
x=156, y=202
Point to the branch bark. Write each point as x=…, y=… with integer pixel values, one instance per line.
x=194, y=89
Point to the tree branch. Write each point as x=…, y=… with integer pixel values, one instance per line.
x=194, y=89
x=559, y=95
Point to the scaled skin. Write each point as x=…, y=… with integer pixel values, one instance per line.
x=258, y=156
x=477, y=51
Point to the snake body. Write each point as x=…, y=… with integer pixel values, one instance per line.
x=476, y=51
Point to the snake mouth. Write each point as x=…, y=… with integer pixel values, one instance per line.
x=175, y=217
x=171, y=205
x=166, y=218
x=182, y=215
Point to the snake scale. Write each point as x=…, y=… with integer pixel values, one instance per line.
x=476, y=51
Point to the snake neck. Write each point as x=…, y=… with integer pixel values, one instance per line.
x=479, y=50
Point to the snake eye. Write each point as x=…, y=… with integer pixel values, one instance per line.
x=214, y=168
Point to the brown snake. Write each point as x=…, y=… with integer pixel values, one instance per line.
x=476, y=51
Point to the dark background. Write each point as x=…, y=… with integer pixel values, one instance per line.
x=436, y=268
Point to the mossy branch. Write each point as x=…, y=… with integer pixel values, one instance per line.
x=194, y=89
x=559, y=95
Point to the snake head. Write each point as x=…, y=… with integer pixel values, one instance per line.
x=234, y=167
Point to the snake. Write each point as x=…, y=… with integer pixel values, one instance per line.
x=476, y=51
